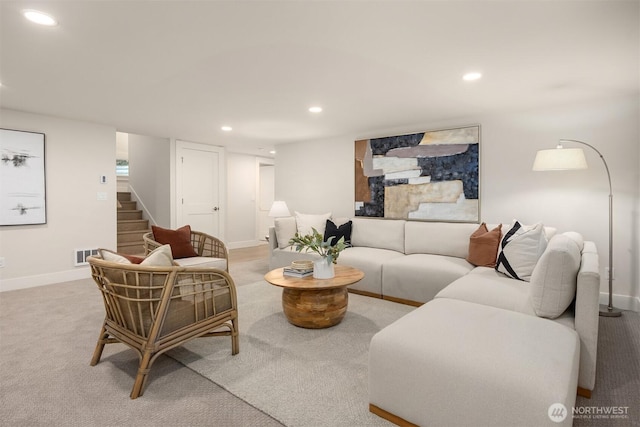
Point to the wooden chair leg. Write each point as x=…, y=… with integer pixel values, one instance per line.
x=143, y=371
x=102, y=340
x=235, y=340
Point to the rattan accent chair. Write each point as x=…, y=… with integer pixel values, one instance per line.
x=154, y=309
x=205, y=245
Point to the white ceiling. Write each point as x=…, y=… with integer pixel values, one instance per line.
x=183, y=69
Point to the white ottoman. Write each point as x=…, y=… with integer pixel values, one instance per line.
x=456, y=363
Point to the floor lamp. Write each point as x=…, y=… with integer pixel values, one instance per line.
x=561, y=158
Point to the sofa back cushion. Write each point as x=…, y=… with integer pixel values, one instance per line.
x=438, y=238
x=306, y=223
x=378, y=233
x=553, y=282
x=285, y=230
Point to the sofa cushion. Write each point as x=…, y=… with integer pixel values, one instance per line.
x=520, y=249
x=335, y=232
x=438, y=238
x=486, y=286
x=419, y=277
x=201, y=262
x=370, y=261
x=285, y=230
x=180, y=240
x=305, y=222
x=553, y=282
x=490, y=288
x=483, y=246
x=378, y=233
x=284, y=257
x=451, y=363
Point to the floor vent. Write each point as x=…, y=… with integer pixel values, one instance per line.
x=81, y=256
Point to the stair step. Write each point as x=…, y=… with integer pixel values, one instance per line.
x=131, y=236
x=128, y=205
x=133, y=224
x=124, y=196
x=124, y=214
x=131, y=248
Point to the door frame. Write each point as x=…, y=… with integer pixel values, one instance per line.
x=222, y=181
x=260, y=161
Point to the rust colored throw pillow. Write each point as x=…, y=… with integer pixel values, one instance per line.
x=133, y=259
x=483, y=246
x=112, y=256
x=179, y=240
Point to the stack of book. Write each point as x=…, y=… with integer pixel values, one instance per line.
x=297, y=272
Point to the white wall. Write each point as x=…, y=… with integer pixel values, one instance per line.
x=77, y=153
x=150, y=177
x=508, y=187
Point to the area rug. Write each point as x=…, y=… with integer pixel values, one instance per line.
x=301, y=377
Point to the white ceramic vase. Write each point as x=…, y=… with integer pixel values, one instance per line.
x=323, y=269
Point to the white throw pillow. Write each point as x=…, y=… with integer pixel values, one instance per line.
x=553, y=282
x=305, y=222
x=520, y=249
x=285, y=230
x=159, y=257
x=111, y=256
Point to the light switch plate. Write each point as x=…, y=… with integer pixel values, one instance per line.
x=102, y=195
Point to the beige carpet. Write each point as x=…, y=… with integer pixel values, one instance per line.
x=47, y=336
x=301, y=377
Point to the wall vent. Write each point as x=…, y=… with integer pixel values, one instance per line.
x=81, y=256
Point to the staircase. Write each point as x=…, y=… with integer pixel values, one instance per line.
x=131, y=226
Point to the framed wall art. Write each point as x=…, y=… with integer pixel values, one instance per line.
x=22, y=178
x=432, y=176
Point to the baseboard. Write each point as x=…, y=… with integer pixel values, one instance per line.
x=403, y=301
x=364, y=293
x=390, y=417
x=584, y=392
x=622, y=302
x=44, y=279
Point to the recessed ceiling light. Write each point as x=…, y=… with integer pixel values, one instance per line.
x=471, y=76
x=315, y=109
x=272, y=152
x=226, y=128
x=39, y=17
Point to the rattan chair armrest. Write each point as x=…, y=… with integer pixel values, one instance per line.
x=208, y=246
x=149, y=244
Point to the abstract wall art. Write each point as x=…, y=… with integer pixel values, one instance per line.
x=432, y=176
x=22, y=178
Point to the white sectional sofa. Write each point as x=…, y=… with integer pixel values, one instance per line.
x=425, y=262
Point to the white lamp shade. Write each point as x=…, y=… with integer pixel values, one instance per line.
x=279, y=209
x=560, y=159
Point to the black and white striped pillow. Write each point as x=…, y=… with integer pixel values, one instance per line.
x=520, y=249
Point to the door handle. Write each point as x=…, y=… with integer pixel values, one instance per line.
x=215, y=209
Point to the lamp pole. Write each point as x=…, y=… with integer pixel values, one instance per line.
x=605, y=310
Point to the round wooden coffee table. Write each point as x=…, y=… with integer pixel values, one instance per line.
x=315, y=303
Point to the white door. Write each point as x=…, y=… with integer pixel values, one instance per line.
x=200, y=187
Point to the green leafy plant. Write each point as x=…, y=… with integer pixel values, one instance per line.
x=314, y=242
